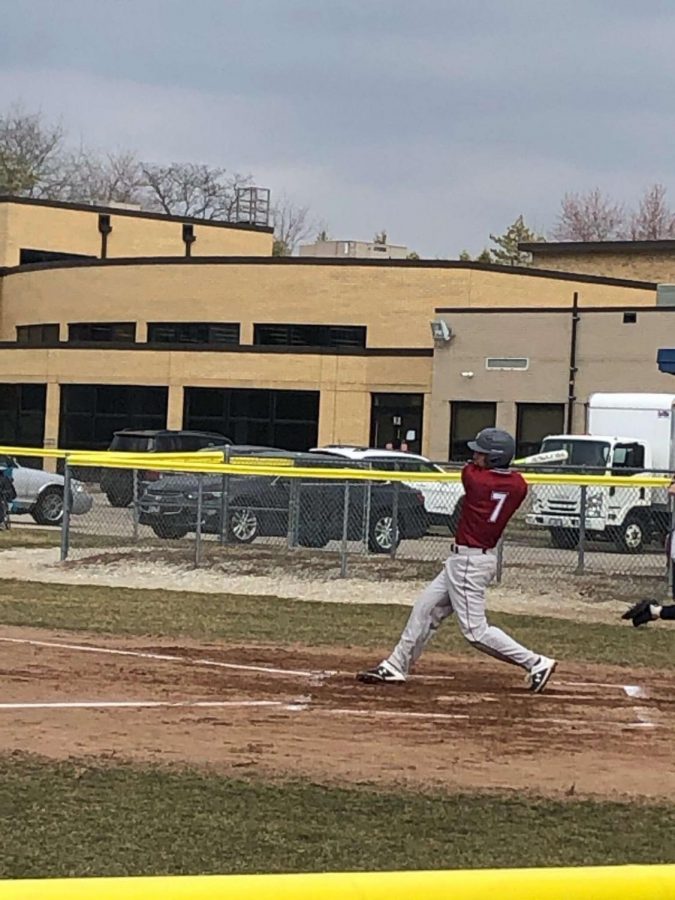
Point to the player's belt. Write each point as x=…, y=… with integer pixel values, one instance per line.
x=461, y=550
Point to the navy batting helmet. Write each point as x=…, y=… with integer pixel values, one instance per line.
x=498, y=446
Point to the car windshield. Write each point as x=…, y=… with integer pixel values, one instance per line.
x=580, y=454
x=133, y=442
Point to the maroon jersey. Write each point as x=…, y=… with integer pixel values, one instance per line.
x=491, y=498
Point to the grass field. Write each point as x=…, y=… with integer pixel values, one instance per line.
x=73, y=819
x=283, y=621
x=103, y=816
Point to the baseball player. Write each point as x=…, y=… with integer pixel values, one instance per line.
x=649, y=611
x=493, y=493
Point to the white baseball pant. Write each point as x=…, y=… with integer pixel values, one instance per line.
x=460, y=588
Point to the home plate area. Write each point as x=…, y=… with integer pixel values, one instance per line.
x=460, y=721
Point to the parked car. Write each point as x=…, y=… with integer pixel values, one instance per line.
x=442, y=500
x=259, y=506
x=118, y=485
x=40, y=493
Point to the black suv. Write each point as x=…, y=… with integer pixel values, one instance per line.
x=259, y=506
x=118, y=485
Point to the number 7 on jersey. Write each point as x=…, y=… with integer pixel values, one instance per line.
x=499, y=498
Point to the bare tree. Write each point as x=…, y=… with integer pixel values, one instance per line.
x=192, y=189
x=589, y=217
x=30, y=154
x=112, y=177
x=292, y=224
x=653, y=219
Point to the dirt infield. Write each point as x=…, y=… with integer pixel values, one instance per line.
x=460, y=724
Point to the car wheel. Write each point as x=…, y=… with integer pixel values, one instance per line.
x=120, y=499
x=169, y=530
x=631, y=536
x=381, y=533
x=243, y=525
x=49, y=507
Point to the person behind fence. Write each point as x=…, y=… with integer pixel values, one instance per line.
x=651, y=610
x=493, y=493
x=7, y=495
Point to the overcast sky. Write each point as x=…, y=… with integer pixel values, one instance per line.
x=437, y=120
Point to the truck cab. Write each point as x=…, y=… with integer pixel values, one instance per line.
x=627, y=517
x=621, y=515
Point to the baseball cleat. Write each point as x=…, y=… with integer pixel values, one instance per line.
x=539, y=675
x=385, y=673
x=640, y=613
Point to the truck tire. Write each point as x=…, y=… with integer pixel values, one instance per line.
x=49, y=507
x=632, y=536
x=564, y=538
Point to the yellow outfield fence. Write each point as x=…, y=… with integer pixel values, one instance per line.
x=592, y=883
x=212, y=463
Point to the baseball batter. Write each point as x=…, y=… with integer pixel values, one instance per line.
x=493, y=493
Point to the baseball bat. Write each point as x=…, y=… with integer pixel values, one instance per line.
x=542, y=458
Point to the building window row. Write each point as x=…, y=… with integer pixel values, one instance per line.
x=534, y=421
x=102, y=332
x=193, y=333
x=310, y=335
x=37, y=335
x=203, y=333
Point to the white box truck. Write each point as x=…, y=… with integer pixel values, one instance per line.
x=627, y=434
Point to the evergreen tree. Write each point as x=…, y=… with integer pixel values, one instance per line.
x=506, y=252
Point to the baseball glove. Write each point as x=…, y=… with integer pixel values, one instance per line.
x=640, y=613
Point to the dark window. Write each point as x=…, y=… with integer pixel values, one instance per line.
x=629, y=318
x=91, y=413
x=466, y=420
x=628, y=456
x=285, y=419
x=127, y=443
x=310, y=335
x=193, y=332
x=535, y=421
x=103, y=332
x=394, y=419
x=22, y=415
x=37, y=335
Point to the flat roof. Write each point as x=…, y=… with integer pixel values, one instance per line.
x=528, y=271
x=597, y=246
x=135, y=213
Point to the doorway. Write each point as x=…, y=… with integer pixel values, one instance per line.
x=396, y=421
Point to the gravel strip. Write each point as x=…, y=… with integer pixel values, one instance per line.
x=543, y=596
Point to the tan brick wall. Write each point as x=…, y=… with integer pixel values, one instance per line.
x=396, y=304
x=76, y=231
x=656, y=267
x=4, y=234
x=345, y=383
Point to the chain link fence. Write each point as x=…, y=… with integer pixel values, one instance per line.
x=562, y=528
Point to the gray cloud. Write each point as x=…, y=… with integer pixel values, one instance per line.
x=440, y=121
